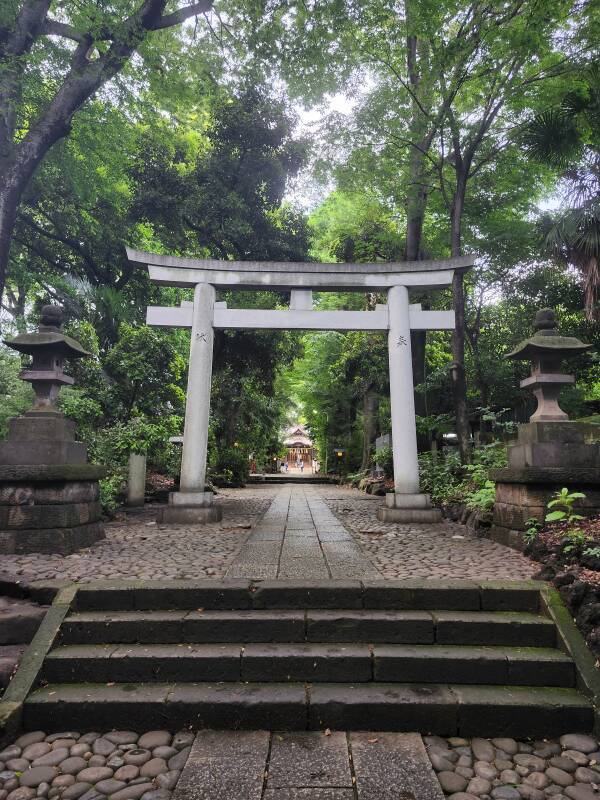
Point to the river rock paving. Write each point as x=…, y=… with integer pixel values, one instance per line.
x=122, y=765
x=505, y=769
x=336, y=524
x=137, y=547
x=442, y=550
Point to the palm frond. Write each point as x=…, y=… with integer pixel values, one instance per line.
x=552, y=136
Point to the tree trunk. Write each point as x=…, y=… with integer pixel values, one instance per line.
x=370, y=404
x=12, y=185
x=8, y=214
x=459, y=382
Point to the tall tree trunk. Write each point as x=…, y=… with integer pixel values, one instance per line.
x=370, y=406
x=459, y=382
x=8, y=214
x=13, y=180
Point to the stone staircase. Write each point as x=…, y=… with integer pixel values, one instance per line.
x=19, y=621
x=290, y=477
x=453, y=658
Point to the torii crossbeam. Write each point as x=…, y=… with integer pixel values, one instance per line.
x=192, y=503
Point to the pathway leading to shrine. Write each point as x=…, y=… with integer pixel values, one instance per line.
x=315, y=531
x=300, y=538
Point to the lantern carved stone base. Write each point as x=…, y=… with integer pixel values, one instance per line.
x=49, y=509
x=550, y=453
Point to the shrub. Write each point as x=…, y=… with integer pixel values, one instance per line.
x=385, y=458
x=231, y=468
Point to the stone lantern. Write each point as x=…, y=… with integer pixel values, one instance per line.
x=550, y=452
x=49, y=494
x=546, y=349
x=43, y=435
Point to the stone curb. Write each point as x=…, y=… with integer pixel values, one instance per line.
x=573, y=643
x=28, y=671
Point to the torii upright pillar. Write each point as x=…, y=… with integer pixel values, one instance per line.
x=192, y=503
x=405, y=503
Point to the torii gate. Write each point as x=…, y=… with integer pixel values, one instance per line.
x=398, y=317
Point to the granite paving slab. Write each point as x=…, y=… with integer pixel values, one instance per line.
x=225, y=765
x=309, y=541
x=393, y=766
x=309, y=759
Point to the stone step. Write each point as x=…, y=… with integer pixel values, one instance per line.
x=10, y=655
x=415, y=595
x=447, y=709
x=19, y=620
x=517, y=629
x=525, y=666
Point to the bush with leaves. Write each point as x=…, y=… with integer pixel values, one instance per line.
x=16, y=396
x=450, y=483
x=231, y=468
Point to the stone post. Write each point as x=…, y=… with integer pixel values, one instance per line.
x=405, y=503
x=136, y=482
x=192, y=503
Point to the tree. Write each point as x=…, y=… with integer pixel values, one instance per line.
x=225, y=199
x=447, y=84
x=568, y=137
x=87, y=47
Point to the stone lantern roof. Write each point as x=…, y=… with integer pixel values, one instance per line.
x=48, y=337
x=546, y=340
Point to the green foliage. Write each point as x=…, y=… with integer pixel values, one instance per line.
x=483, y=499
x=450, y=483
x=563, y=501
x=113, y=489
x=16, y=396
x=231, y=467
x=534, y=526
x=385, y=458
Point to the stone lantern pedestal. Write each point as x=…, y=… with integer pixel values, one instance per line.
x=550, y=452
x=49, y=494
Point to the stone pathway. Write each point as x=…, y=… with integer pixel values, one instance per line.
x=136, y=547
x=299, y=538
x=319, y=765
x=258, y=765
x=445, y=550
x=308, y=531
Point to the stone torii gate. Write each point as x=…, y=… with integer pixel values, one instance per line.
x=192, y=503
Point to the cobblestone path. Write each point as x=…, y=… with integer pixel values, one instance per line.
x=299, y=538
x=313, y=531
x=442, y=550
x=136, y=547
